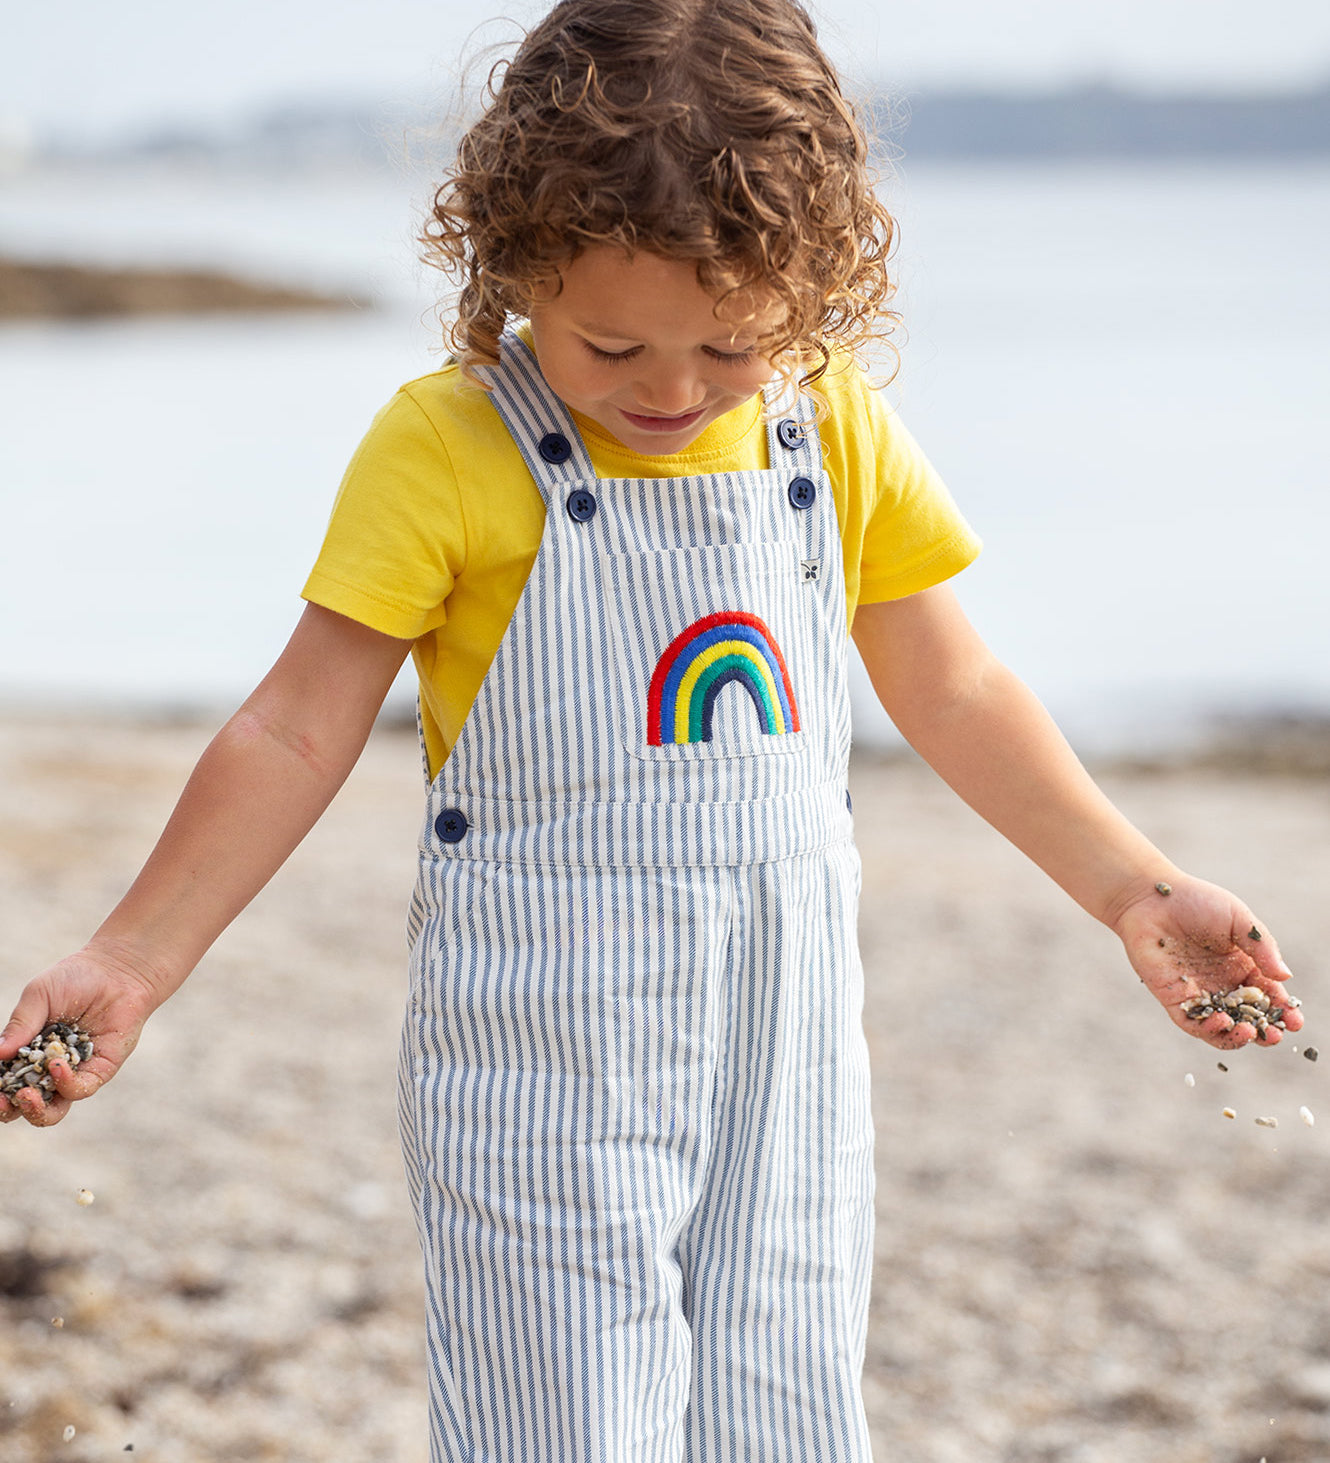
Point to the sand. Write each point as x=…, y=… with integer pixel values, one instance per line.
x=1079, y=1260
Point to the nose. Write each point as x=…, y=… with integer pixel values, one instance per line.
x=669, y=390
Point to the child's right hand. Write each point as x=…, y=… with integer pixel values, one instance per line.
x=109, y=1001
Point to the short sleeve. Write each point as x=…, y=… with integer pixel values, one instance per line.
x=396, y=540
x=914, y=536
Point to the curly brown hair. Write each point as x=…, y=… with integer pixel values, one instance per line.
x=713, y=130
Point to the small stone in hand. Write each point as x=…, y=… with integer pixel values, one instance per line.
x=30, y=1066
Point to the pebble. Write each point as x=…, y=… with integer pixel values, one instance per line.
x=1310, y=1053
x=71, y=1432
x=27, y=1068
x=1307, y=1116
x=1189, y=1080
x=58, y=1322
x=1223, y=1067
x=1229, y=1113
x=1245, y=1004
x=1266, y=1122
x=85, y=1197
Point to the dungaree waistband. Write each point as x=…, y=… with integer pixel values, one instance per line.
x=621, y=835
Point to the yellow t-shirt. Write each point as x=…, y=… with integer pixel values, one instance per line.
x=438, y=520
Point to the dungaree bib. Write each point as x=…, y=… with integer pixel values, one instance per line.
x=634, y=1082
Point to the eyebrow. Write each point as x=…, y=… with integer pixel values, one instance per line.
x=595, y=327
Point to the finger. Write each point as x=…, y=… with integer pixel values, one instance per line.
x=1263, y=948
x=1292, y=1018
x=30, y=1016
x=1235, y=1034
x=73, y=1084
x=1221, y=1031
x=1217, y=1029
x=39, y=1113
x=1290, y=1012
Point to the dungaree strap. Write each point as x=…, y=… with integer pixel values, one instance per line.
x=793, y=444
x=540, y=424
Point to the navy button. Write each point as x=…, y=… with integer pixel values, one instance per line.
x=790, y=434
x=581, y=506
x=451, y=825
x=555, y=447
x=803, y=492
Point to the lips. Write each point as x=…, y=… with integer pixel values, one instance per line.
x=663, y=424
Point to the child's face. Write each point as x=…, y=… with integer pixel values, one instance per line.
x=634, y=343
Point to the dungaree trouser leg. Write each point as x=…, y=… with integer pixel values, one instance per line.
x=634, y=1081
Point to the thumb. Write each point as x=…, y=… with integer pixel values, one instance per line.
x=1263, y=948
x=30, y=1016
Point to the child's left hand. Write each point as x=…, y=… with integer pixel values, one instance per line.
x=1198, y=939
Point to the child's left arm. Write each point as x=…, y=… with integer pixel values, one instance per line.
x=985, y=733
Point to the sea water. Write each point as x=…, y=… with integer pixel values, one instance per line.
x=1120, y=370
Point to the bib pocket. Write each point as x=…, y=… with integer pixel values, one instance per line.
x=713, y=650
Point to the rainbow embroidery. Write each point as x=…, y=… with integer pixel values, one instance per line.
x=709, y=654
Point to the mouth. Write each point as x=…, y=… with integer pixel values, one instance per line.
x=663, y=424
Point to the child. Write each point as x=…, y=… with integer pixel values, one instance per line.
x=624, y=543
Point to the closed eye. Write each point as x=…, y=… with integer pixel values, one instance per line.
x=727, y=358
x=731, y=358
x=603, y=355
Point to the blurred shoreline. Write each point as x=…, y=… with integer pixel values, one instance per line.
x=1292, y=745
x=1088, y=119
x=33, y=289
x=1100, y=423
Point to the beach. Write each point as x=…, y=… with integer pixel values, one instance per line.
x=1079, y=1259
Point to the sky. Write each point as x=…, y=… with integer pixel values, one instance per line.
x=85, y=69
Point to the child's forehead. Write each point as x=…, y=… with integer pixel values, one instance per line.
x=611, y=290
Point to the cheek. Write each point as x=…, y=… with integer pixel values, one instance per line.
x=750, y=380
x=573, y=375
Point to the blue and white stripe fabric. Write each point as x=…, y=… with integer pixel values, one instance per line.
x=634, y=1082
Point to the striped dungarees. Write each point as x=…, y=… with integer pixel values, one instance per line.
x=634, y=1081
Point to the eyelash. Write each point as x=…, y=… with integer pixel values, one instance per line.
x=730, y=358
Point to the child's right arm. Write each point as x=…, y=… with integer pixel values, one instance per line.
x=260, y=786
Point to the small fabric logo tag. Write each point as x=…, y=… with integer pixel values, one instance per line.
x=812, y=569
